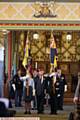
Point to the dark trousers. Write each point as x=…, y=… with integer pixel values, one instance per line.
x=34, y=102
x=40, y=103
x=78, y=108
x=53, y=104
x=18, y=97
x=60, y=102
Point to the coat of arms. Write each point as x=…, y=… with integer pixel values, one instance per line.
x=44, y=9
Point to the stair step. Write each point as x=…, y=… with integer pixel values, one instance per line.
x=68, y=100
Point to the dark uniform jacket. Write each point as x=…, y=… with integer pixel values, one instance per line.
x=49, y=86
x=18, y=83
x=60, y=84
x=11, y=90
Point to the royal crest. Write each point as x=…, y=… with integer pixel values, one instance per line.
x=44, y=9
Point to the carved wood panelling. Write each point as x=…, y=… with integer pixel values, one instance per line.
x=67, y=50
x=38, y=47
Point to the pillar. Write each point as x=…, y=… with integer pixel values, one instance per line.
x=9, y=54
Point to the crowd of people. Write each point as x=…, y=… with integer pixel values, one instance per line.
x=38, y=88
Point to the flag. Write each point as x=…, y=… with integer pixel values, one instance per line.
x=53, y=53
x=55, y=62
x=26, y=55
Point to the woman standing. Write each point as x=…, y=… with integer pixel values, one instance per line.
x=28, y=97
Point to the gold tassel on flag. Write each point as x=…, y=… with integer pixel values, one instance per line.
x=24, y=63
x=55, y=62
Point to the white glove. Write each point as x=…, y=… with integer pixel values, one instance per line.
x=52, y=74
x=65, y=89
x=33, y=92
x=46, y=75
x=58, y=95
x=14, y=88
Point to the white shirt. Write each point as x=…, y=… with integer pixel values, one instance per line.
x=42, y=80
x=31, y=81
x=24, y=79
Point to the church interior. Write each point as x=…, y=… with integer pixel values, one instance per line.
x=37, y=22
x=68, y=46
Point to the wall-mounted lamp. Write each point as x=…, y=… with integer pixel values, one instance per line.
x=5, y=31
x=69, y=36
x=35, y=36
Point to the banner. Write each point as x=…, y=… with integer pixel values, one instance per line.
x=26, y=55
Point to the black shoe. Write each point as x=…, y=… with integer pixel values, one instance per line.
x=60, y=108
x=20, y=106
x=29, y=112
x=16, y=106
x=40, y=113
x=25, y=112
x=53, y=113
